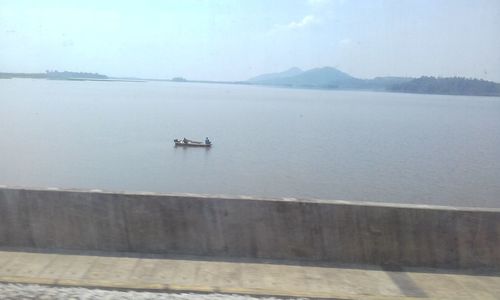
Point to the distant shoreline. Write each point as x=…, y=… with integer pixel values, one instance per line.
x=103, y=78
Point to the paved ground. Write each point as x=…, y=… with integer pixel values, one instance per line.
x=270, y=279
x=40, y=292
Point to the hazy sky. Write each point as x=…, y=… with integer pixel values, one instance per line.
x=235, y=40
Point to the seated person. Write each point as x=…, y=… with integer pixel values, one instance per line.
x=207, y=141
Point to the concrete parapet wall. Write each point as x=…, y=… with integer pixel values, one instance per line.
x=319, y=230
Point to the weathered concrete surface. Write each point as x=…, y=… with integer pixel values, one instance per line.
x=268, y=279
x=40, y=292
x=318, y=230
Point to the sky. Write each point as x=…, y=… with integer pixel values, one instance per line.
x=236, y=40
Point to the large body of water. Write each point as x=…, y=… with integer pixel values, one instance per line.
x=346, y=145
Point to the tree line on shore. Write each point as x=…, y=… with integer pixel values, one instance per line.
x=55, y=75
x=326, y=78
x=448, y=86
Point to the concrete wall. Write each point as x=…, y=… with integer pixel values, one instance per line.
x=333, y=231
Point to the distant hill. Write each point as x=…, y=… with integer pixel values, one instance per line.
x=448, y=86
x=179, y=79
x=74, y=75
x=326, y=77
x=332, y=78
x=271, y=76
x=55, y=75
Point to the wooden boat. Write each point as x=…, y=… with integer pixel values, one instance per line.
x=190, y=143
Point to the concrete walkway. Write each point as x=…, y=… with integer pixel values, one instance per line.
x=195, y=275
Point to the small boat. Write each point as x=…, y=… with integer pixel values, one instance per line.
x=190, y=143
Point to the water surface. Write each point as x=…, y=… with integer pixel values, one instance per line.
x=348, y=145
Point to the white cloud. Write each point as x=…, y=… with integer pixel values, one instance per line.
x=295, y=25
x=306, y=21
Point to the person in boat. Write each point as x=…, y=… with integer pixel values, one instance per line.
x=207, y=141
x=185, y=140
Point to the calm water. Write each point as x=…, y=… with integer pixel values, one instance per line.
x=267, y=141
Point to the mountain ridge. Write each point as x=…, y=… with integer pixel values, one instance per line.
x=323, y=77
x=332, y=78
x=287, y=73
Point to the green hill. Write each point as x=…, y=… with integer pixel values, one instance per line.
x=326, y=77
x=332, y=78
x=448, y=86
x=271, y=76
